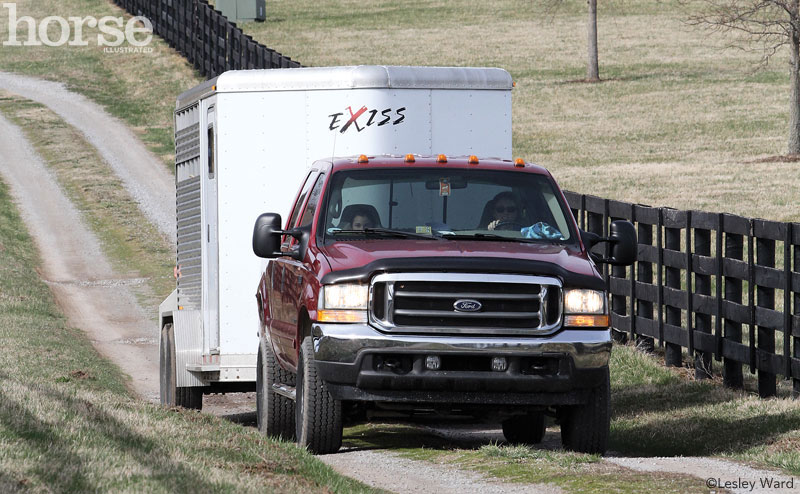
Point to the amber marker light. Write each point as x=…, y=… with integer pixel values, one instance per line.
x=587, y=321
x=473, y=160
x=363, y=159
x=519, y=163
x=410, y=158
x=341, y=316
x=441, y=159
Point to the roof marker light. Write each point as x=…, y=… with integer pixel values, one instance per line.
x=441, y=159
x=363, y=159
x=473, y=160
x=410, y=158
x=519, y=163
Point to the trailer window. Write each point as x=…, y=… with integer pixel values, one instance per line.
x=211, y=153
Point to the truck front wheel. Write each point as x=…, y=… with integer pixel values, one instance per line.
x=170, y=393
x=525, y=429
x=318, y=415
x=275, y=413
x=584, y=428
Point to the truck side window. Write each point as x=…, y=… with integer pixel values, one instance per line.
x=313, y=201
x=300, y=200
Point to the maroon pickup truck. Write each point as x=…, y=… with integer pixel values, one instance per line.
x=434, y=285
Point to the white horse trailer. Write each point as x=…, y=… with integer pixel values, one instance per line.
x=244, y=140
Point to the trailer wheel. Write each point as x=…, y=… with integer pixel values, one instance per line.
x=525, y=429
x=318, y=415
x=274, y=413
x=585, y=428
x=170, y=393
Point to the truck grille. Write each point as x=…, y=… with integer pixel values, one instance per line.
x=465, y=303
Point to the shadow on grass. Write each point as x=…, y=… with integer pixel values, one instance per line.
x=64, y=463
x=421, y=434
x=699, y=435
x=633, y=400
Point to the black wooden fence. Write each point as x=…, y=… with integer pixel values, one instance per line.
x=205, y=37
x=707, y=282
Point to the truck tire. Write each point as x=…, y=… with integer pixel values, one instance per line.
x=170, y=393
x=318, y=415
x=584, y=428
x=525, y=429
x=274, y=413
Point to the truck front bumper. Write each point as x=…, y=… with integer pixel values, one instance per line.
x=360, y=363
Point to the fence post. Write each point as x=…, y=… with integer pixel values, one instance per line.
x=702, y=247
x=765, y=297
x=644, y=274
x=673, y=354
x=732, y=370
x=796, y=331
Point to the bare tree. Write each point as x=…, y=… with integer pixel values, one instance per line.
x=769, y=24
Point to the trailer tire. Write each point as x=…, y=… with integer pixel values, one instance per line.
x=318, y=415
x=585, y=428
x=525, y=429
x=169, y=392
x=274, y=413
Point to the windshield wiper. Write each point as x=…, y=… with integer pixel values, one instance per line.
x=385, y=231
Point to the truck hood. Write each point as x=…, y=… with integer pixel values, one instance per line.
x=353, y=260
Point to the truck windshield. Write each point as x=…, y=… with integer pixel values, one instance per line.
x=476, y=204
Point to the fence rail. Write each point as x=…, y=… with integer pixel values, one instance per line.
x=725, y=287
x=205, y=37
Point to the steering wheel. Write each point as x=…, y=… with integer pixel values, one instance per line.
x=509, y=225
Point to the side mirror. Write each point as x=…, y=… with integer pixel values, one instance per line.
x=622, y=240
x=624, y=244
x=267, y=236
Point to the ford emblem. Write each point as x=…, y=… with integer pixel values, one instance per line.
x=467, y=305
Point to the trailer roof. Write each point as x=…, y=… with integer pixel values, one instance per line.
x=351, y=77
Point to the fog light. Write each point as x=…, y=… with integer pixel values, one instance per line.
x=499, y=364
x=433, y=362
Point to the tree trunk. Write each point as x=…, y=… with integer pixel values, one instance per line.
x=592, y=68
x=794, y=104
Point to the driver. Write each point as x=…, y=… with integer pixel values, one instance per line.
x=504, y=208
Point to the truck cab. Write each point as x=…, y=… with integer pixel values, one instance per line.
x=418, y=284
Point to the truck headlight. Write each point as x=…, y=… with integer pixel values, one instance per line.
x=585, y=308
x=343, y=303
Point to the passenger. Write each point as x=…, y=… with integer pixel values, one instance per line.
x=360, y=222
x=359, y=217
x=504, y=208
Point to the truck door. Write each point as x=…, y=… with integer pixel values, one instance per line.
x=296, y=273
x=209, y=235
x=284, y=324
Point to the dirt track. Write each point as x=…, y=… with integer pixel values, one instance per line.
x=99, y=301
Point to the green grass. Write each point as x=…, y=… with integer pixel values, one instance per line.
x=68, y=424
